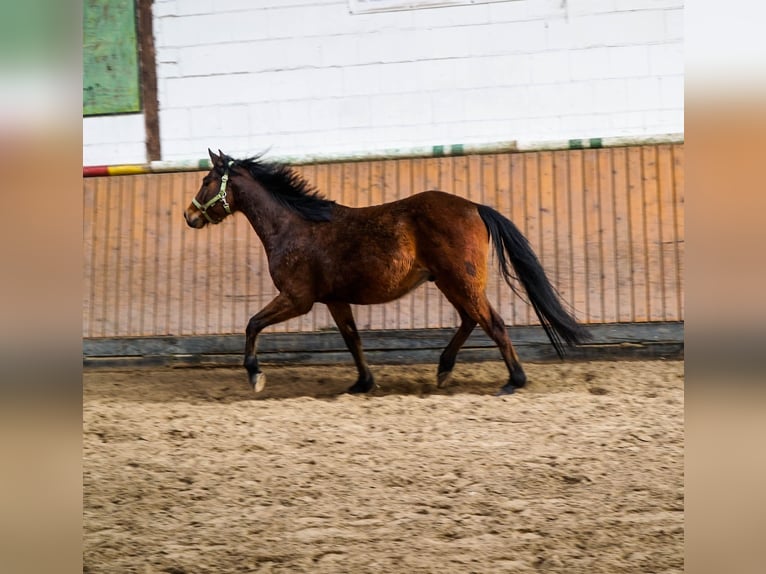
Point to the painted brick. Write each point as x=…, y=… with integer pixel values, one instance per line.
x=307, y=21
x=451, y=16
x=176, y=122
x=247, y=5
x=259, y=143
x=589, y=64
x=399, y=77
x=544, y=128
x=622, y=28
x=629, y=121
x=543, y=100
x=208, y=60
x=576, y=97
x=113, y=129
x=183, y=31
x=262, y=117
x=559, y=34
x=381, y=21
x=513, y=70
x=674, y=24
x=620, y=5
x=667, y=121
x=361, y=80
x=447, y=106
x=628, y=61
x=277, y=85
x=643, y=93
x=308, y=75
x=355, y=112
x=666, y=59
x=611, y=95
x=400, y=109
x=671, y=91
x=395, y=46
x=234, y=120
x=307, y=54
x=435, y=75
x=217, y=28
x=340, y=50
x=324, y=82
x=516, y=37
x=497, y=103
x=518, y=11
x=549, y=67
x=325, y=114
x=452, y=42
x=585, y=126
x=188, y=7
x=631, y=27
x=205, y=121
x=293, y=84
x=161, y=9
x=581, y=7
x=293, y=117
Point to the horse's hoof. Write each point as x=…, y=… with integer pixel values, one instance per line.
x=361, y=387
x=506, y=390
x=258, y=381
x=443, y=378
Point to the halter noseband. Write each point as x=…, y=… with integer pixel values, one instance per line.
x=220, y=196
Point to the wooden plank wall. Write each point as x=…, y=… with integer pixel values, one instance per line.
x=607, y=224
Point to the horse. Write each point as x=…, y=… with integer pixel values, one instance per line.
x=322, y=252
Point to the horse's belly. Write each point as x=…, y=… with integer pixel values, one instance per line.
x=372, y=289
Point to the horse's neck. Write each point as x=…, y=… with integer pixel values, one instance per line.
x=270, y=219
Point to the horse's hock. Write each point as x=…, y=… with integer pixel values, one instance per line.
x=607, y=225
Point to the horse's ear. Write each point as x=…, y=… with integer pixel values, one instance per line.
x=216, y=159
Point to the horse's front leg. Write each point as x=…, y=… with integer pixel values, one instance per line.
x=344, y=318
x=281, y=308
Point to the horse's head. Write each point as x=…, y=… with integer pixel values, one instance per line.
x=214, y=200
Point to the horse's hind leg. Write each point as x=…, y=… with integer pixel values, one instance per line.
x=495, y=328
x=344, y=318
x=448, y=357
x=475, y=305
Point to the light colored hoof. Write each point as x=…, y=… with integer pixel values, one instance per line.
x=259, y=382
x=443, y=378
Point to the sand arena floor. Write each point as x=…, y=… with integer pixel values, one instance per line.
x=186, y=471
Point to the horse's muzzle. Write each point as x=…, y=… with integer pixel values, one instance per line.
x=194, y=221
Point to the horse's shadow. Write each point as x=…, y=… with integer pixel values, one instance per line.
x=282, y=386
x=230, y=385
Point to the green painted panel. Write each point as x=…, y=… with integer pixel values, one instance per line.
x=110, y=58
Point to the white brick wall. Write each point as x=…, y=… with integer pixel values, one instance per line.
x=307, y=76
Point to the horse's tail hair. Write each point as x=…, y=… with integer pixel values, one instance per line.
x=510, y=243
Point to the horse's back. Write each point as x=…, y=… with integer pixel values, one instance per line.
x=377, y=253
x=437, y=214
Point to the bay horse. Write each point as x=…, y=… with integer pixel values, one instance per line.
x=321, y=251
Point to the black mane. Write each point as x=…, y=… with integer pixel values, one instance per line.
x=288, y=188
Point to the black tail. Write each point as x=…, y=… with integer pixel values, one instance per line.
x=507, y=239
